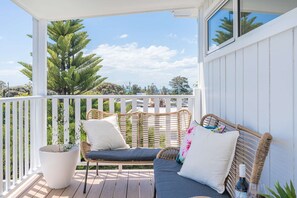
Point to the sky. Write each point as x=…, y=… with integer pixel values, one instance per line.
x=139, y=48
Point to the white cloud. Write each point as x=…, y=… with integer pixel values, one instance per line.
x=172, y=35
x=132, y=57
x=123, y=36
x=144, y=65
x=7, y=62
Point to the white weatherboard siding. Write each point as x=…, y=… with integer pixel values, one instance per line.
x=256, y=85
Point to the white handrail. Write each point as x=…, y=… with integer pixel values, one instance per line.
x=119, y=96
x=10, y=99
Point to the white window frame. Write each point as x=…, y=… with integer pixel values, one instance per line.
x=210, y=13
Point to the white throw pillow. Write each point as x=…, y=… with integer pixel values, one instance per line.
x=210, y=157
x=104, y=134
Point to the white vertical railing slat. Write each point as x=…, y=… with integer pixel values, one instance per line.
x=145, y=104
x=14, y=142
x=89, y=104
x=191, y=105
x=168, y=124
x=77, y=117
x=100, y=104
x=66, y=120
x=55, y=138
x=178, y=103
x=157, y=123
x=32, y=136
x=77, y=120
x=145, y=124
x=21, y=140
x=26, y=139
x=123, y=118
x=7, y=145
x=111, y=105
x=1, y=149
x=134, y=123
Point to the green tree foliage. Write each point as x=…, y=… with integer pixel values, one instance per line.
x=164, y=91
x=2, y=87
x=226, y=30
x=247, y=24
x=69, y=70
x=110, y=89
x=180, y=85
x=225, y=33
x=152, y=89
x=135, y=89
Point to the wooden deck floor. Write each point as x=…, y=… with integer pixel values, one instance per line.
x=109, y=184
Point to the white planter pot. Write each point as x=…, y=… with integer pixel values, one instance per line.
x=58, y=167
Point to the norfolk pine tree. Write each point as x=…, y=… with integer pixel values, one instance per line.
x=70, y=72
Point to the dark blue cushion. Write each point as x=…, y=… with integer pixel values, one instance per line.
x=135, y=154
x=169, y=184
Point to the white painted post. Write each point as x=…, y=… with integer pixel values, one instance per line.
x=201, y=49
x=197, y=104
x=39, y=79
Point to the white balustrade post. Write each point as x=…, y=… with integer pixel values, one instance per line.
x=39, y=78
x=197, y=104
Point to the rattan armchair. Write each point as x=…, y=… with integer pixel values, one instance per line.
x=146, y=130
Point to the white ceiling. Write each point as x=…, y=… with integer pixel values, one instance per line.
x=74, y=9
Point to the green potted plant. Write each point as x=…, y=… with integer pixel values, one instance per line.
x=288, y=191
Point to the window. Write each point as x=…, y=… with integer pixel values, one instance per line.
x=254, y=13
x=251, y=14
x=220, y=26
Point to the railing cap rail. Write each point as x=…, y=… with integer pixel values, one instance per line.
x=119, y=96
x=23, y=98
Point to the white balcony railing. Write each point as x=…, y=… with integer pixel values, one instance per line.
x=17, y=148
x=22, y=138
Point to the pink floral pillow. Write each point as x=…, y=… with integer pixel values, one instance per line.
x=186, y=144
x=187, y=141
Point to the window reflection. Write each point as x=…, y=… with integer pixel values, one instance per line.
x=254, y=13
x=220, y=26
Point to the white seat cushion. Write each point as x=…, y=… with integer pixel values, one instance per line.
x=104, y=134
x=210, y=157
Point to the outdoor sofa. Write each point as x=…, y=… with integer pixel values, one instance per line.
x=251, y=150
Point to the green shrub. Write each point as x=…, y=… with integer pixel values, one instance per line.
x=288, y=191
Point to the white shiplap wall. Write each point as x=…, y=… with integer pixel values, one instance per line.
x=256, y=85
